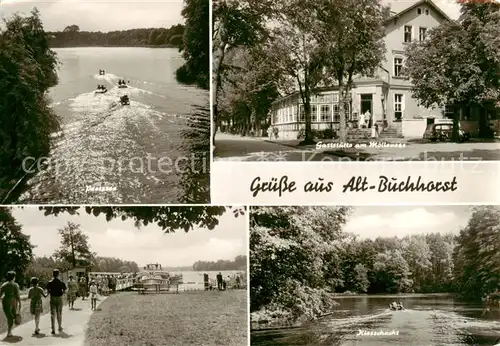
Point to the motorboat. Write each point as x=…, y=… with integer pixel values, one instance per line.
x=121, y=86
x=101, y=91
x=397, y=308
x=124, y=100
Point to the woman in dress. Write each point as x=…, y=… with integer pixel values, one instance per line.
x=35, y=295
x=11, y=300
x=82, y=286
x=72, y=289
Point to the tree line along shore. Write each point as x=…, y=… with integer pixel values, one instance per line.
x=28, y=68
x=301, y=259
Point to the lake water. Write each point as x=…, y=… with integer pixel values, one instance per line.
x=427, y=320
x=193, y=280
x=154, y=151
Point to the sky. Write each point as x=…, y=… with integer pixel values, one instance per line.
x=99, y=15
x=389, y=221
x=121, y=239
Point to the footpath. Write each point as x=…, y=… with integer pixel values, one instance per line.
x=74, y=323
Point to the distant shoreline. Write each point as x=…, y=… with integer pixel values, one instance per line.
x=120, y=46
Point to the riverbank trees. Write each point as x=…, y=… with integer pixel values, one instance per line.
x=195, y=44
x=300, y=257
x=239, y=263
x=27, y=71
x=72, y=36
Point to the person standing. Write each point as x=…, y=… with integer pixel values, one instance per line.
x=35, y=295
x=11, y=300
x=72, y=290
x=56, y=288
x=219, y=281
x=93, y=295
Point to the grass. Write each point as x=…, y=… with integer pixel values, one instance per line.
x=25, y=313
x=188, y=318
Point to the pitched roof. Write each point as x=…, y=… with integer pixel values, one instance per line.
x=401, y=7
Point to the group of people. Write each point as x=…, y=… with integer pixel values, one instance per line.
x=102, y=72
x=55, y=288
x=222, y=282
x=122, y=82
x=396, y=306
x=102, y=88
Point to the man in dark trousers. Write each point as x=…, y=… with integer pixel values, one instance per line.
x=56, y=289
x=219, y=281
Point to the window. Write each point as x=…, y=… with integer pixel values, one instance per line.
x=302, y=113
x=295, y=111
x=421, y=33
x=427, y=12
x=325, y=113
x=449, y=111
x=398, y=106
x=408, y=30
x=314, y=113
x=419, y=10
x=336, y=112
x=398, y=66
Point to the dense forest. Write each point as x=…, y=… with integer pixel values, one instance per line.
x=301, y=258
x=71, y=36
x=239, y=263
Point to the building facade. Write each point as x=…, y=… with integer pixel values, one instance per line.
x=383, y=100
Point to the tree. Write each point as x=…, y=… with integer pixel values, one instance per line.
x=476, y=257
x=196, y=46
x=289, y=249
x=170, y=219
x=27, y=71
x=16, y=251
x=350, y=33
x=458, y=64
x=297, y=55
x=235, y=24
x=74, y=246
x=249, y=88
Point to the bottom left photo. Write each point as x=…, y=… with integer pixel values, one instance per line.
x=124, y=275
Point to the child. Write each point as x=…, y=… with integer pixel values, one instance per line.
x=93, y=295
x=35, y=294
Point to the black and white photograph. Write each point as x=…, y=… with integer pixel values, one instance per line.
x=357, y=80
x=378, y=275
x=113, y=276
x=104, y=102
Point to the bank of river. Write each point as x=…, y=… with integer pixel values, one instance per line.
x=432, y=319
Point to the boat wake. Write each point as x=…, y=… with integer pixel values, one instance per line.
x=108, y=77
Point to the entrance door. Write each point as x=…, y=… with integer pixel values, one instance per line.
x=367, y=106
x=430, y=121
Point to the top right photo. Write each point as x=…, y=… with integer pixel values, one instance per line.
x=356, y=80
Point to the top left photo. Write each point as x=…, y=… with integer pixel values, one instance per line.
x=104, y=102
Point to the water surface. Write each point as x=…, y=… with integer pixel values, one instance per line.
x=427, y=320
x=154, y=151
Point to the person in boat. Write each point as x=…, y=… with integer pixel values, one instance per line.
x=400, y=306
x=124, y=100
x=393, y=306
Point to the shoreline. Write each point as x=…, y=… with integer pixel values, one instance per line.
x=119, y=46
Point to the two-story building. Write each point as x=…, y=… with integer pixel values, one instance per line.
x=384, y=99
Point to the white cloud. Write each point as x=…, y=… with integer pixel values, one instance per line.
x=98, y=15
x=404, y=222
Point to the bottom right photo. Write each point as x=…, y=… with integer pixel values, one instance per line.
x=386, y=275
